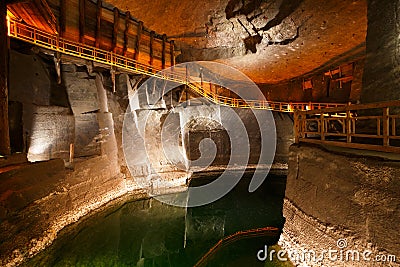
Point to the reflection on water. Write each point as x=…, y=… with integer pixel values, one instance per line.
x=150, y=233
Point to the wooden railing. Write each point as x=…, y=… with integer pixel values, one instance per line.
x=266, y=231
x=366, y=126
x=176, y=74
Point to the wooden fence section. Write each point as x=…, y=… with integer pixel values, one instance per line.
x=366, y=126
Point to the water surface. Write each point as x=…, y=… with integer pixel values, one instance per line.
x=150, y=233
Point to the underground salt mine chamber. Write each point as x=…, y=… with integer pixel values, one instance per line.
x=208, y=133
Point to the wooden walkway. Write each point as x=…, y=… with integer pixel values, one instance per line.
x=55, y=43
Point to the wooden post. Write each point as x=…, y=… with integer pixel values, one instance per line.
x=82, y=21
x=63, y=17
x=322, y=119
x=172, y=52
x=296, y=127
x=164, y=41
x=187, y=74
x=126, y=38
x=71, y=153
x=5, y=148
x=201, y=77
x=138, y=37
x=115, y=30
x=98, y=22
x=151, y=48
x=386, y=128
x=348, y=126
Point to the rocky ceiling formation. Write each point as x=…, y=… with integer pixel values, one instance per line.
x=268, y=40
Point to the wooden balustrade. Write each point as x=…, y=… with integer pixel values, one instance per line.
x=53, y=42
x=366, y=126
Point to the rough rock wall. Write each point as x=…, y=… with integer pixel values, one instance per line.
x=83, y=99
x=40, y=199
x=51, y=134
x=42, y=124
x=331, y=196
x=37, y=200
x=381, y=78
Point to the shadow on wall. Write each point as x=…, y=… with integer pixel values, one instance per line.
x=40, y=112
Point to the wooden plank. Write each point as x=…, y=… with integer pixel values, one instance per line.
x=322, y=127
x=390, y=149
x=99, y=10
x=386, y=127
x=164, y=41
x=296, y=124
x=4, y=127
x=72, y=20
x=115, y=29
x=62, y=19
x=394, y=103
x=82, y=21
x=348, y=126
x=138, y=37
x=126, y=36
x=151, y=48
x=172, y=52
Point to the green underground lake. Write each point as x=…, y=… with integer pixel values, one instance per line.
x=147, y=232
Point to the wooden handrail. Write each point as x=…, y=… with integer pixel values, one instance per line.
x=265, y=231
x=365, y=126
x=53, y=42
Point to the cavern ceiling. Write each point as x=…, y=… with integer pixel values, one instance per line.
x=268, y=40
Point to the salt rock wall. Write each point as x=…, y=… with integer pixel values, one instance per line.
x=42, y=124
x=381, y=78
x=331, y=196
x=151, y=160
x=39, y=199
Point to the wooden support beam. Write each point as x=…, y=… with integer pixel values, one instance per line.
x=63, y=17
x=386, y=126
x=115, y=30
x=126, y=37
x=138, y=37
x=151, y=48
x=99, y=10
x=164, y=41
x=82, y=4
x=4, y=127
x=172, y=52
x=17, y=1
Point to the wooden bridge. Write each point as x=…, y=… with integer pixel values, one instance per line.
x=54, y=42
